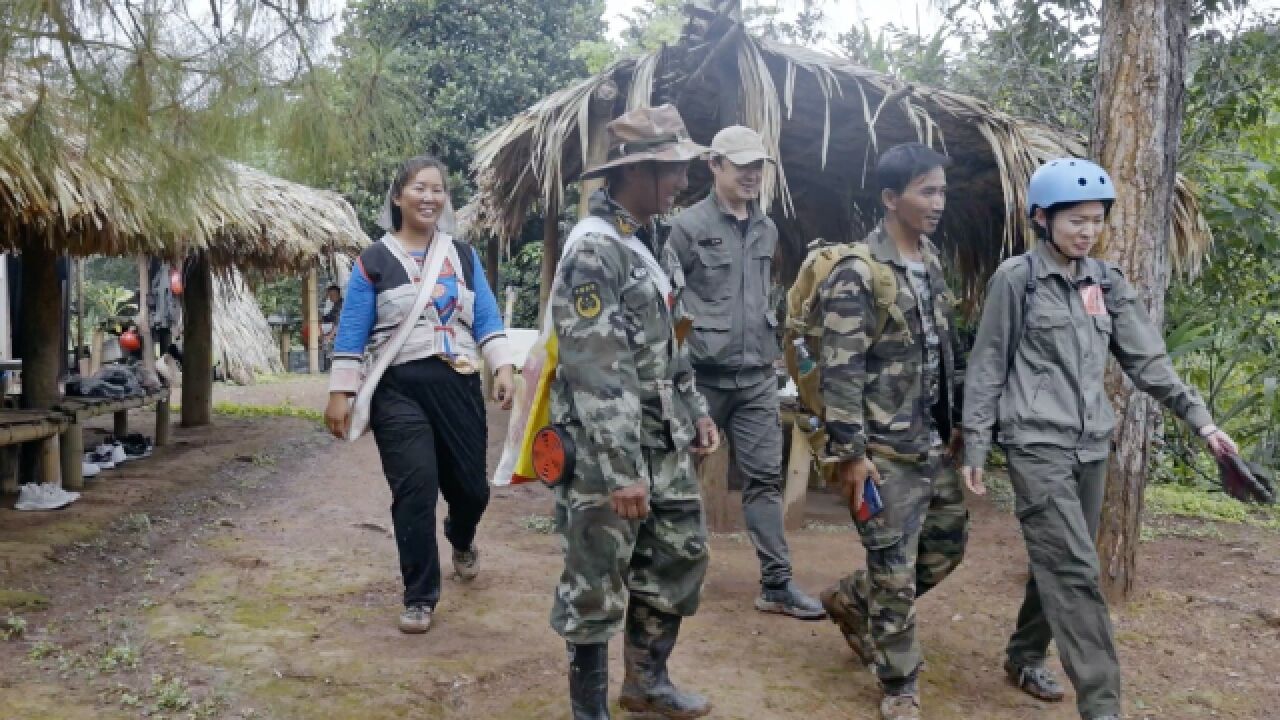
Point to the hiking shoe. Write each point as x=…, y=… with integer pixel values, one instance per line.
x=415, y=620
x=466, y=563
x=853, y=623
x=1035, y=680
x=900, y=707
x=100, y=458
x=789, y=600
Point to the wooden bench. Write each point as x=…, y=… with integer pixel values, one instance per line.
x=79, y=409
x=18, y=427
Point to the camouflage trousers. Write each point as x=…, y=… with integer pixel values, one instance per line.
x=658, y=562
x=911, y=546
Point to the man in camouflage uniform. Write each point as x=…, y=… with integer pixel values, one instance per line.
x=889, y=404
x=631, y=517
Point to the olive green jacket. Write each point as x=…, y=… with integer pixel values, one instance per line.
x=1053, y=394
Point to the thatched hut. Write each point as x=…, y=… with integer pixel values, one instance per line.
x=826, y=120
x=59, y=196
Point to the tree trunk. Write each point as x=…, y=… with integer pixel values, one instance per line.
x=197, y=366
x=311, y=316
x=1137, y=121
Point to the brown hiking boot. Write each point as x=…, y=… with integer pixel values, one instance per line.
x=853, y=624
x=900, y=707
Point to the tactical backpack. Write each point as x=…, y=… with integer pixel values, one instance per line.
x=803, y=321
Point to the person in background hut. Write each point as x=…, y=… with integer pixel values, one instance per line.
x=1051, y=319
x=427, y=413
x=635, y=541
x=329, y=315
x=724, y=246
x=893, y=399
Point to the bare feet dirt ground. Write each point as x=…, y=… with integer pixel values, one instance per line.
x=248, y=571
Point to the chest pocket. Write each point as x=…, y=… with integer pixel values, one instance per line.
x=711, y=274
x=644, y=311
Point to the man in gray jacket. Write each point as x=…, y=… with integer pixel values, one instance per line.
x=1051, y=319
x=723, y=249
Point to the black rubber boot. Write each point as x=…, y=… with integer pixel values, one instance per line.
x=589, y=681
x=650, y=638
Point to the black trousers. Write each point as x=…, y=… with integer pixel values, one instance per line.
x=429, y=424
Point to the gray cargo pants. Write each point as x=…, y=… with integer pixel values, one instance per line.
x=749, y=420
x=1059, y=503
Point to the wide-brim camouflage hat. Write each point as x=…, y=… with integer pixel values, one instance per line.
x=647, y=134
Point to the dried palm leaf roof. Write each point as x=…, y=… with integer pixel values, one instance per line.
x=89, y=201
x=826, y=120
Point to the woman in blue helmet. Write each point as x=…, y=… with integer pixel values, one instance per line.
x=1051, y=319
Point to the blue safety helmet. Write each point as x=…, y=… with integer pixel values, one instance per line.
x=1067, y=181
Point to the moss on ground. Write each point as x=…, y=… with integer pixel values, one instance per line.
x=1190, y=502
x=22, y=600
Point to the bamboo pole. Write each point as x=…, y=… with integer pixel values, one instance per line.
x=310, y=305
x=550, y=255
x=144, y=314
x=71, y=451
x=601, y=112
x=80, y=364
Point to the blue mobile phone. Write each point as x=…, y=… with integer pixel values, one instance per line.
x=871, y=503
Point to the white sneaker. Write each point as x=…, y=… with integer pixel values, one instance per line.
x=44, y=497
x=100, y=458
x=117, y=452
x=89, y=469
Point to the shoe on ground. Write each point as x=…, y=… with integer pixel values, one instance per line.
x=415, y=620
x=853, y=623
x=101, y=459
x=466, y=563
x=1035, y=680
x=44, y=497
x=789, y=600
x=117, y=452
x=89, y=469
x=900, y=707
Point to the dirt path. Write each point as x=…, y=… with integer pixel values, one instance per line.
x=249, y=573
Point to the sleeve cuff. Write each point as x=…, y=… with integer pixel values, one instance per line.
x=344, y=376
x=497, y=352
x=1199, y=418
x=976, y=450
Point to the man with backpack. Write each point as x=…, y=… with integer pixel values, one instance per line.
x=1051, y=319
x=723, y=247
x=879, y=323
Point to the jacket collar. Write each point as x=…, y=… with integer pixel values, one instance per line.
x=884, y=249
x=754, y=213
x=1047, y=264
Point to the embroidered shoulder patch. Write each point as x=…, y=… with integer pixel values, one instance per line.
x=586, y=300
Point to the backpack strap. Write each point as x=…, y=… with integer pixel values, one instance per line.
x=1028, y=295
x=467, y=260
x=884, y=292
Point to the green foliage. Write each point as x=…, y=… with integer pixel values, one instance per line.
x=450, y=70
x=524, y=273
x=257, y=411
x=1189, y=502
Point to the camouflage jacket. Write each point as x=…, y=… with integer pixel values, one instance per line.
x=875, y=394
x=619, y=362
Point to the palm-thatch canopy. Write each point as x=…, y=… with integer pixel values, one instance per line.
x=825, y=119
x=81, y=200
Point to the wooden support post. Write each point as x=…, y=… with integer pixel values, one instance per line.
x=718, y=504
x=197, y=369
x=286, y=342
x=120, y=424
x=309, y=312
x=9, y=455
x=71, y=449
x=163, y=425
x=492, y=255
x=41, y=337
x=799, y=462
x=550, y=256
x=144, y=314
x=50, y=462
x=81, y=363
